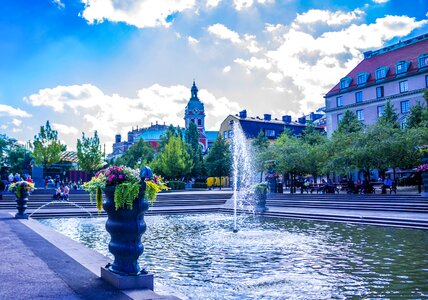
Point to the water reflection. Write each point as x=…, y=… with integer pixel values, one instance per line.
x=198, y=256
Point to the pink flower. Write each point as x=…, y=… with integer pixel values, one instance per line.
x=120, y=176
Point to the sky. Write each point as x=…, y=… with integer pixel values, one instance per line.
x=112, y=65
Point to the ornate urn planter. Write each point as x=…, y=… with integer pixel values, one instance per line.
x=126, y=227
x=260, y=196
x=21, y=204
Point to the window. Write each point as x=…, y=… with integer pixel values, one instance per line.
x=360, y=115
x=359, y=96
x=404, y=86
x=379, y=92
x=224, y=134
x=270, y=133
x=381, y=73
x=199, y=122
x=405, y=107
x=230, y=122
x=345, y=82
x=423, y=61
x=230, y=134
x=339, y=118
x=380, y=110
x=362, y=77
x=426, y=81
x=401, y=67
x=191, y=120
x=339, y=101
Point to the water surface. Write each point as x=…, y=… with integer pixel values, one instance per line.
x=198, y=257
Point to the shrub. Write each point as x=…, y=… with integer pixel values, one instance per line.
x=199, y=185
x=176, y=185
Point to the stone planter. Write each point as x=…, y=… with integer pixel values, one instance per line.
x=260, y=197
x=21, y=205
x=126, y=227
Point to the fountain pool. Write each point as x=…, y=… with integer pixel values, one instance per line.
x=199, y=257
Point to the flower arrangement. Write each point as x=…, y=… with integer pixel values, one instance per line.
x=20, y=186
x=127, y=184
x=261, y=187
x=422, y=149
x=422, y=168
x=271, y=175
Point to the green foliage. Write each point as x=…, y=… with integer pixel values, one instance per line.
x=47, y=147
x=176, y=185
x=174, y=161
x=290, y=155
x=89, y=153
x=14, y=155
x=194, y=150
x=219, y=158
x=349, y=124
x=125, y=194
x=153, y=187
x=418, y=116
x=141, y=151
x=389, y=117
x=261, y=142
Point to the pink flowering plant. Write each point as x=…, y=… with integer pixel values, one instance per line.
x=127, y=183
x=422, y=168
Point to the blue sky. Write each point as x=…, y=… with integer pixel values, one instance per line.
x=109, y=65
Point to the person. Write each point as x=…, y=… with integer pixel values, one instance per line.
x=29, y=179
x=351, y=186
x=65, y=194
x=57, y=194
x=10, y=178
x=322, y=187
x=17, y=177
x=329, y=187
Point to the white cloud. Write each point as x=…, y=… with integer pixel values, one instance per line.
x=92, y=109
x=59, y=3
x=226, y=69
x=192, y=41
x=224, y=33
x=65, y=129
x=139, y=13
x=306, y=64
x=213, y=3
x=16, y=122
x=380, y=1
x=6, y=110
x=243, y=4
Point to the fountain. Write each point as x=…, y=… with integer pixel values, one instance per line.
x=244, y=174
x=61, y=202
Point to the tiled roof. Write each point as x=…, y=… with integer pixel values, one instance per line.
x=68, y=156
x=403, y=51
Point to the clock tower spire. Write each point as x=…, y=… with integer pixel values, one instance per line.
x=195, y=113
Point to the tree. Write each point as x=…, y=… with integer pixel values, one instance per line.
x=349, y=123
x=389, y=116
x=14, y=155
x=89, y=154
x=192, y=140
x=174, y=161
x=139, y=152
x=260, y=145
x=219, y=159
x=47, y=147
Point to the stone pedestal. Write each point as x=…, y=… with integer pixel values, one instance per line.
x=145, y=281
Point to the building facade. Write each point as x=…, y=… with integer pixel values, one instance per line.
x=194, y=113
x=271, y=128
x=398, y=73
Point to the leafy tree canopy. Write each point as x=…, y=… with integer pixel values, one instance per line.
x=89, y=153
x=47, y=147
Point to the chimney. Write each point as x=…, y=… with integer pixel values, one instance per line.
x=118, y=138
x=286, y=119
x=302, y=120
x=243, y=114
x=267, y=117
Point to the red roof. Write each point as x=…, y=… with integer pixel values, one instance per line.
x=402, y=52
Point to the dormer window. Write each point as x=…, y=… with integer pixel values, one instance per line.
x=381, y=73
x=345, y=82
x=362, y=78
x=401, y=67
x=423, y=61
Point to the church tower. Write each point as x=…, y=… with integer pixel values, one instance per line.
x=195, y=113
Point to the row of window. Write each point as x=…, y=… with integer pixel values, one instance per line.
x=268, y=133
x=199, y=121
x=404, y=108
x=401, y=67
x=380, y=92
